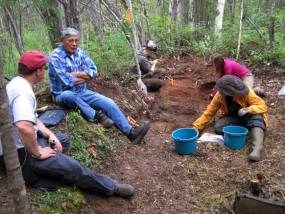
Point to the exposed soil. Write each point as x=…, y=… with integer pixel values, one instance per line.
x=206, y=182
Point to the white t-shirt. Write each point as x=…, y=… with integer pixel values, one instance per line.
x=22, y=104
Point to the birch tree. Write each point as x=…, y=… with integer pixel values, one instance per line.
x=191, y=13
x=136, y=48
x=219, y=17
x=15, y=179
x=240, y=29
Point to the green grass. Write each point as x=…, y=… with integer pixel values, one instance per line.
x=63, y=200
x=84, y=134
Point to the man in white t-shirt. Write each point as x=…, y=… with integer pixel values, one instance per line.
x=46, y=166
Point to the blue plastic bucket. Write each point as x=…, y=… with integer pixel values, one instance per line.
x=235, y=137
x=185, y=140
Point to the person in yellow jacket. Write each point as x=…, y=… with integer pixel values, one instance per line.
x=240, y=106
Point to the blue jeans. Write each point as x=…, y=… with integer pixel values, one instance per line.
x=63, y=169
x=89, y=101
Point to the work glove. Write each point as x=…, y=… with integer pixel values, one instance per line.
x=242, y=112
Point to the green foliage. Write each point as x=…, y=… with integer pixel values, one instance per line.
x=279, y=54
x=163, y=33
x=85, y=134
x=36, y=41
x=73, y=118
x=10, y=66
x=113, y=56
x=60, y=201
x=203, y=47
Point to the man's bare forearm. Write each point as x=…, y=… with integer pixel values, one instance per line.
x=80, y=77
x=29, y=139
x=43, y=129
x=28, y=136
x=83, y=75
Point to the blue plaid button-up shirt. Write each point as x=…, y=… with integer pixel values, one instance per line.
x=62, y=64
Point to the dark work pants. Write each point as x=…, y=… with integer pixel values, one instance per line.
x=63, y=169
x=248, y=121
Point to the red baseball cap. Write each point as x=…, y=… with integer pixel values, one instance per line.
x=33, y=59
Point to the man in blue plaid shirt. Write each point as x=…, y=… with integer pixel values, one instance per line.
x=69, y=70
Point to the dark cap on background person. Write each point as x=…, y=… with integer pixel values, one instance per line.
x=30, y=61
x=230, y=85
x=69, y=31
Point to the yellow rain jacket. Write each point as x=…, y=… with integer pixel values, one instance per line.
x=254, y=103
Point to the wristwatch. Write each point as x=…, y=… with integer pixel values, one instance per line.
x=36, y=156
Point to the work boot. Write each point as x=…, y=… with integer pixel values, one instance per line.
x=124, y=190
x=258, y=136
x=103, y=119
x=137, y=133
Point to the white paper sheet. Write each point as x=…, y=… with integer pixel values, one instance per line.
x=209, y=137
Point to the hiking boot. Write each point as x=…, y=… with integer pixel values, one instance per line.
x=100, y=117
x=124, y=190
x=137, y=133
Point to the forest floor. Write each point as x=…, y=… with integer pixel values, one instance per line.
x=205, y=182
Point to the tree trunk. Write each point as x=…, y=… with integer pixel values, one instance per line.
x=71, y=13
x=283, y=28
x=173, y=9
x=136, y=47
x=191, y=14
x=10, y=15
x=114, y=10
x=219, y=17
x=144, y=32
x=231, y=9
x=254, y=26
x=271, y=24
x=159, y=7
x=116, y=17
x=97, y=18
x=180, y=11
x=50, y=14
x=240, y=28
x=199, y=11
x=16, y=183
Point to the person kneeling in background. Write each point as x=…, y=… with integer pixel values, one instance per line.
x=241, y=106
x=151, y=76
x=226, y=66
